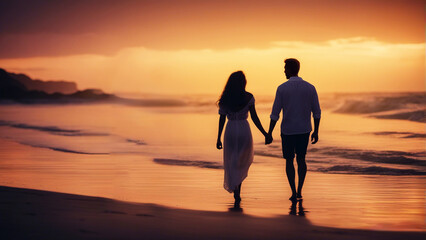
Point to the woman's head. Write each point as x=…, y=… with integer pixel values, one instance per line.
x=233, y=94
x=236, y=82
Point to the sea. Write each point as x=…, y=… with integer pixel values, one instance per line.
x=367, y=171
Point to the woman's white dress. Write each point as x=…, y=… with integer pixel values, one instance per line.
x=237, y=146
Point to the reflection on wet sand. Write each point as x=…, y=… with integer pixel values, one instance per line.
x=293, y=208
x=236, y=208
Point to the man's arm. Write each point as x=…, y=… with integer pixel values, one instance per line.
x=316, y=113
x=314, y=136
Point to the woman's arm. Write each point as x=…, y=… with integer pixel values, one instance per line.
x=222, y=120
x=256, y=120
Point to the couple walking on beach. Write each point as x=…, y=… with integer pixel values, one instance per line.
x=296, y=98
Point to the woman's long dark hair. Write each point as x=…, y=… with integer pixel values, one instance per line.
x=234, y=93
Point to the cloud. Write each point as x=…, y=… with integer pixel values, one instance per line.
x=61, y=28
x=354, y=45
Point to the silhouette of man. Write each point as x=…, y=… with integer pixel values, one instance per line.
x=297, y=99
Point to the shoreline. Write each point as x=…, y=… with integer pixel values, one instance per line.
x=37, y=214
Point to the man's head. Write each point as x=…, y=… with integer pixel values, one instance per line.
x=291, y=67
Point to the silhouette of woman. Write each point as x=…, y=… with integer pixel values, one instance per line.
x=234, y=104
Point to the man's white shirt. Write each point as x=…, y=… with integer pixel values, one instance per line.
x=297, y=99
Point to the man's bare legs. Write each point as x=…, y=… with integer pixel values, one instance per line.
x=289, y=168
x=301, y=172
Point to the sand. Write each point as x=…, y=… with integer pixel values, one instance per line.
x=35, y=214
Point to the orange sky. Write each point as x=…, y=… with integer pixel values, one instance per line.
x=193, y=46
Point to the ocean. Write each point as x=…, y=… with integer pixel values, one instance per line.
x=367, y=170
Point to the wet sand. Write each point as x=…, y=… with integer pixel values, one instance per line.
x=35, y=214
x=386, y=203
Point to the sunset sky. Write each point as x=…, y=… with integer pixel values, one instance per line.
x=184, y=47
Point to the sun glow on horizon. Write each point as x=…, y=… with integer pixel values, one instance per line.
x=341, y=65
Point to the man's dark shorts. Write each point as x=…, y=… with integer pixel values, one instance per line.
x=297, y=143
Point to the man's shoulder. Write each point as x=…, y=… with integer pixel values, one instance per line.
x=309, y=84
x=288, y=84
x=282, y=85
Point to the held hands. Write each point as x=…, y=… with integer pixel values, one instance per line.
x=314, y=137
x=268, y=139
x=219, y=144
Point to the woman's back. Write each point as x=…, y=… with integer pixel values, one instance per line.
x=238, y=112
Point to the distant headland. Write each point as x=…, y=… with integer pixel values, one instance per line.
x=21, y=88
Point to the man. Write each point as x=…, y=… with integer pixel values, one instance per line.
x=297, y=99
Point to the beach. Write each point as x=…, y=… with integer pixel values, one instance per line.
x=365, y=175
x=34, y=214
x=110, y=124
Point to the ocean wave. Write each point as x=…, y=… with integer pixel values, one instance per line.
x=369, y=103
x=155, y=102
x=402, y=134
x=278, y=154
x=373, y=170
x=404, y=106
x=275, y=154
x=417, y=116
x=388, y=157
x=135, y=141
x=188, y=163
x=51, y=129
x=59, y=149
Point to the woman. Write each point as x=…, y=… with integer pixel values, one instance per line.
x=235, y=103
